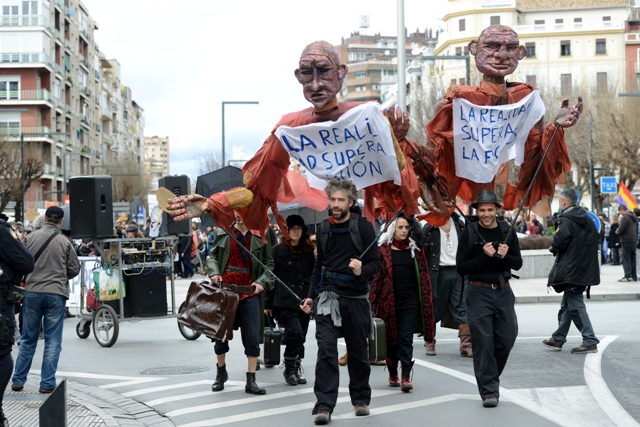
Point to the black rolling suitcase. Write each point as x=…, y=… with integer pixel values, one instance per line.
x=272, y=339
x=378, y=341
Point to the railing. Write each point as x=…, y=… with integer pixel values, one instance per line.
x=569, y=26
x=60, y=70
x=49, y=169
x=72, y=142
x=27, y=95
x=98, y=128
x=85, y=33
x=68, y=109
x=59, y=172
x=97, y=74
x=85, y=90
x=107, y=138
x=58, y=34
x=84, y=61
x=96, y=47
x=16, y=131
x=85, y=120
x=25, y=21
x=67, y=44
x=59, y=3
x=26, y=57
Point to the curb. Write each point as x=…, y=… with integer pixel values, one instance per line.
x=116, y=409
x=558, y=298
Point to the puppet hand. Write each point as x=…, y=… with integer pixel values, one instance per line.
x=186, y=207
x=399, y=122
x=568, y=116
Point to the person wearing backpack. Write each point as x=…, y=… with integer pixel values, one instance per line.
x=340, y=288
x=628, y=233
x=488, y=251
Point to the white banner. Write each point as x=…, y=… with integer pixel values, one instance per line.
x=485, y=137
x=358, y=146
x=87, y=265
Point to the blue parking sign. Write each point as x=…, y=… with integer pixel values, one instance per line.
x=608, y=184
x=595, y=220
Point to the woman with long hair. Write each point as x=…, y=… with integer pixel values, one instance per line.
x=401, y=296
x=294, y=261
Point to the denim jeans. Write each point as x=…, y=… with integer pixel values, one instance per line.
x=36, y=307
x=572, y=308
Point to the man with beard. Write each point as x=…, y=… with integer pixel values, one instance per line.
x=340, y=288
x=487, y=259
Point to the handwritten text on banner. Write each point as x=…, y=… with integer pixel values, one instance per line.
x=487, y=136
x=358, y=146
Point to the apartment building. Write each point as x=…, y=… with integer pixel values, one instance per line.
x=54, y=79
x=156, y=160
x=579, y=47
x=372, y=62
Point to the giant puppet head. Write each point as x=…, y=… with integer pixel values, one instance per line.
x=497, y=52
x=320, y=72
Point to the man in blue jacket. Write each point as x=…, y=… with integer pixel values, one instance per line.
x=575, y=245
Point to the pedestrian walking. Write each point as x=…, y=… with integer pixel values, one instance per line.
x=184, y=250
x=575, y=246
x=636, y=212
x=628, y=233
x=46, y=294
x=294, y=261
x=448, y=286
x=340, y=288
x=401, y=296
x=614, y=240
x=487, y=252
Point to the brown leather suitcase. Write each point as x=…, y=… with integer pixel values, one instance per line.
x=210, y=310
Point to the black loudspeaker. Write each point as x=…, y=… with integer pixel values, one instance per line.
x=179, y=185
x=146, y=295
x=90, y=206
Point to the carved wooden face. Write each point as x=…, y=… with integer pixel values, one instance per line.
x=497, y=52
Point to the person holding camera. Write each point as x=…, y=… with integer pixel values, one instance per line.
x=15, y=262
x=487, y=252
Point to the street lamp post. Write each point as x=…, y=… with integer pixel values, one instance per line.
x=29, y=134
x=223, y=104
x=402, y=58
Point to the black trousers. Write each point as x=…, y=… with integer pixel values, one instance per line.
x=248, y=313
x=296, y=325
x=629, y=260
x=356, y=326
x=6, y=361
x=406, y=316
x=615, y=255
x=494, y=328
x=448, y=293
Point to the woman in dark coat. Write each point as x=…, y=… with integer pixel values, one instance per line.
x=614, y=241
x=401, y=296
x=294, y=260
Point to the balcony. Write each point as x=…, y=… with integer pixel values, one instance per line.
x=97, y=74
x=60, y=69
x=570, y=26
x=67, y=44
x=98, y=128
x=14, y=96
x=16, y=131
x=85, y=91
x=84, y=61
x=107, y=138
x=72, y=142
x=25, y=21
x=58, y=35
x=84, y=33
x=25, y=58
x=59, y=3
x=68, y=109
x=49, y=169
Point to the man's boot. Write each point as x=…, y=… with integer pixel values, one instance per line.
x=299, y=371
x=251, y=386
x=406, y=377
x=290, y=372
x=430, y=347
x=221, y=378
x=465, y=341
x=392, y=366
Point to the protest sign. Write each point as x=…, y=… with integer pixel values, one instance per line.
x=487, y=136
x=358, y=147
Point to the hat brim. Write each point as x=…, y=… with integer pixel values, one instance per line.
x=475, y=205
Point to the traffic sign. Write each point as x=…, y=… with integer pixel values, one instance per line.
x=608, y=184
x=595, y=219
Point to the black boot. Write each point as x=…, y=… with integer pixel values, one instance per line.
x=221, y=378
x=299, y=371
x=290, y=372
x=251, y=386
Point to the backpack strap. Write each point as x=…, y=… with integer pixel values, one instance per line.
x=352, y=229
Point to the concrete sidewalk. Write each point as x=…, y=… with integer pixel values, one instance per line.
x=93, y=406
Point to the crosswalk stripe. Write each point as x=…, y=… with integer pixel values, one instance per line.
x=173, y=386
x=191, y=396
x=276, y=411
x=248, y=400
x=411, y=405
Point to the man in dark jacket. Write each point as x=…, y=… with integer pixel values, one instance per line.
x=575, y=246
x=184, y=252
x=488, y=261
x=628, y=232
x=15, y=261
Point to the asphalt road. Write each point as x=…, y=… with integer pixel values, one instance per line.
x=151, y=362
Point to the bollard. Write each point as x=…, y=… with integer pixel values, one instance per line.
x=53, y=412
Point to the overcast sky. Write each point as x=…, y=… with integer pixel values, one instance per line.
x=181, y=62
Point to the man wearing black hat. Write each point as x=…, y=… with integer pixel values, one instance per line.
x=15, y=261
x=487, y=252
x=47, y=292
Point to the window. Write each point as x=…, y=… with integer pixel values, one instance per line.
x=10, y=15
x=601, y=46
x=494, y=20
x=462, y=25
x=531, y=49
x=375, y=87
x=538, y=24
x=559, y=24
x=565, y=48
x=458, y=51
x=565, y=84
x=56, y=88
x=466, y=50
x=361, y=88
x=606, y=20
x=9, y=123
x=531, y=80
x=454, y=82
x=577, y=23
x=461, y=81
x=9, y=89
x=601, y=82
x=360, y=74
